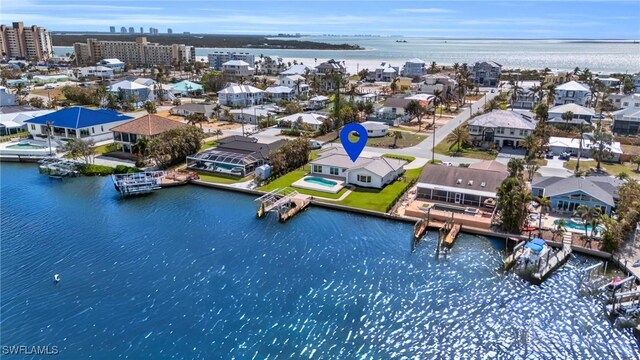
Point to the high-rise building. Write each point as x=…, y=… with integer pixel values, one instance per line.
x=112, y=29
x=140, y=52
x=141, y=30
x=132, y=30
x=218, y=58
x=123, y=30
x=19, y=42
x=169, y=31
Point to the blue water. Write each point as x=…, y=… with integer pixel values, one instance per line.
x=320, y=181
x=190, y=273
x=572, y=225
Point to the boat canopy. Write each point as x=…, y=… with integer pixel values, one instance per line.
x=536, y=244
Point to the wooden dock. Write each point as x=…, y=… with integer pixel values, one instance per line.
x=450, y=239
x=286, y=203
x=515, y=255
x=420, y=230
x=551, y=263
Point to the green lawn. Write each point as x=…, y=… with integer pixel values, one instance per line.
x=612, y=168
x=399, y=157
x=379, y=200
x=222, y=179
x=408, y=139
x=105, y=148
x=293, y=176
x=443, y=149
x=208, y=145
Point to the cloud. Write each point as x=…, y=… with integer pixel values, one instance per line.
x=426, y=11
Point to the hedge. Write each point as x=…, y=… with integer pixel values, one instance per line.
x=101, y=170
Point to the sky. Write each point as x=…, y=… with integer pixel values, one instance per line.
x=582, y=19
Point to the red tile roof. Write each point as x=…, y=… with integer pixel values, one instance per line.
x=148, y=125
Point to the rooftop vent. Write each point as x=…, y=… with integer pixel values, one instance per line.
x=459, y=181
x=483, y=184
x=470, y=182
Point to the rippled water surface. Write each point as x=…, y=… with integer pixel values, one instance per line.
x=191, y=273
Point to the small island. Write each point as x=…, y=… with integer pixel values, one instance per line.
x=205, y=41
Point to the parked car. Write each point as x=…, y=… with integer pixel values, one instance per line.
x=550, y=155
x=49, y=86
x=565, y=156
x=446, y=163
x=314, y=145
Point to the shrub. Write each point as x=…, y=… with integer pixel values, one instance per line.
x=122, y=169
x=290, y=132
x=93, y=170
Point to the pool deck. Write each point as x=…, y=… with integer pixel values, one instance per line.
x=302, y=184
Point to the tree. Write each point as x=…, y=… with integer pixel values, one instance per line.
x=140, y=147
x=602, y=149
x=196, y=118
x=173, y=146
x=588, y=215
x=217, y=133
x=545, y=204
x=515, y=93
x=415, y=109
x=78, y=148
x=513, y=198
x=37, y=102
x=396, y=136
x=636, y=160
x=150, y=107
x=437, y=100
x=581, y=130
x=515, y=167
x=491, y=105
x=292, y=155
x=559, y=230
x=458, y=137
x=567, y=116
x=551, y=94
x=292, y=108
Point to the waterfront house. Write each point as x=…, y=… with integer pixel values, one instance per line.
x=371, y=172
x=375, y=128
x=240, y=95
x=486, y=74
x=572, y=92
x=636, y=83
x=414, y=68
x=237, y=69
x=581, y=115
x=145, y=81
x=12, y=118
x=186, y=88
x=566, y=194
x=133, y=91
x=476, y=187
x=95, y=71
x=501, y=127
x=559, y=145
x=616, y=100
x=610, y=82
x=78, y=123
x=147, y=126
x=311, y=121
x=269, y=66
x=234, y=155
x=113, y=64
x=6, y=99
x=432, y=83
x=403, y=83
x=626, y=121
x=279, y=93
x=193, y=108
x=630, y=101
x=559, y=77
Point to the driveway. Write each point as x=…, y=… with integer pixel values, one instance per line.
x=555, y=167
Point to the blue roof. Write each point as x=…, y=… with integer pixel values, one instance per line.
x=186, y=85
x=79, y=117
x=536, y=244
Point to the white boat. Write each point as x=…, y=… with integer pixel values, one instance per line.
x=534, y=253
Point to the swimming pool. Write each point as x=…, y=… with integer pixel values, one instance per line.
x=320, y=181
x=573, y=225
x=25, y=145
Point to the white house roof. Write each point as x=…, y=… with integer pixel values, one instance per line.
x=380, y=166
x=279, y=90
x=374, y=125
x=295, y=77
x=240, y=89
x=571, y=143
x=144, y=81
x=299, y=69
x=390, y=70
x=504, y=119
x=420, y=97
x=628, y=113
x=574, y=108
x=255, y=110
x=126, y=85
x=573, y=86
x=96, y=68
x=319, y=98
x=307, y=118
x=112, y=61
x=235, y=63
x=415, y=61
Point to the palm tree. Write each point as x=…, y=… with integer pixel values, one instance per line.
x=515, y=167
x=559, y=229
x=551, y=94
x=459, y=136
x=433, y=68
x=567, y=116
x=437, y=100
x=545, y=204
x=396, y=135
x=536, y=90
x=217, y=133
x=415, y=109
x=636, y=160
x=493, y=104
x=581, y=130
x=516, y=91
x=196, y=118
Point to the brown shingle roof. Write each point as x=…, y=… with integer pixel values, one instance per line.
x=489, y=165
x=449, y=176
x=148, y=125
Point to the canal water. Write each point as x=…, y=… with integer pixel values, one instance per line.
x=191, y=273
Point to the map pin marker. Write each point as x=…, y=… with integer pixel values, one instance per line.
x=353, y=149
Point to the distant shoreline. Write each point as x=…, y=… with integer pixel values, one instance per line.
x=206, y=41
